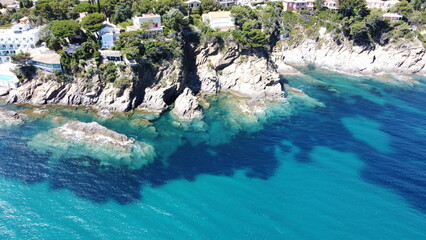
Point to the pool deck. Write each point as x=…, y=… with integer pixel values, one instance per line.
x=5, y=71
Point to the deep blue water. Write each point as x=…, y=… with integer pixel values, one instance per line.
x=347, y=162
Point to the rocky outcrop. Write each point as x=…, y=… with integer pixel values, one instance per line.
x=9, y=118
x=47, y=90
x=186, y=106
x=404, y=57
x=166, y=84
x=77, y=139
x=247, y=73
x=205, y=69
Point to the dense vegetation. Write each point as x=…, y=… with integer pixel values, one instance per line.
x=258, y=27
x=355, y=22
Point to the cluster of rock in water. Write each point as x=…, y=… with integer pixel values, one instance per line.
x=250, y=77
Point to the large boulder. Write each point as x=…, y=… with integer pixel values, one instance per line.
x=186, y=106
x=78, y=139
x=9, y=118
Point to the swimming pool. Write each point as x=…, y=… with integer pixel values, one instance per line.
x=7, y=77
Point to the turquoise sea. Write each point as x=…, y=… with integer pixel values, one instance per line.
x=345, y=160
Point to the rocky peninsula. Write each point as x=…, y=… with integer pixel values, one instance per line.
x=79, y=139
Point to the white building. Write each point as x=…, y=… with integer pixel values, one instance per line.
x=109, y=34
x=44, y=59
x=298, y=5
x=393, y=17
x=331, y=4
x=19, y=37
x=219, y=20
x=153, y=20
x=227, y=3
x=384, y=5
x=193, y=4
x=247, y=2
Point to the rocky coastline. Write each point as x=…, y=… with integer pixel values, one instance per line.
x=205, y=70
x=406, y=57
x=212, y=68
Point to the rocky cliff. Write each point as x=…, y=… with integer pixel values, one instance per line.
x=404, y=57
x=206, y=69
x=247, y=73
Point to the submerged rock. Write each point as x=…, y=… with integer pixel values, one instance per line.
x=186, y=106
x=9, y=118
x=77, y=139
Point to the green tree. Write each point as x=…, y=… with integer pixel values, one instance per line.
x=4, y=19
x=359, y=33
x=84, y=7
x=123, y=11
x=209, y=5
x=175, y=19
x=93, y=22
x=404, y=8
x=419, y=4
x=349, y=8
x=21, y=58
x=318, y=4
x=243, y=14
x=64, y=28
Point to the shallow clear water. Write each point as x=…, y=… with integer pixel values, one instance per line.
x=347, y=162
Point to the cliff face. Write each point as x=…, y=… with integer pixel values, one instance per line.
x=232, y=69
x=408, y=57
x=44, y=90
x=204, y=70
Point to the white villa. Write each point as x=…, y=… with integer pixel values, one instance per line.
x=109, y=34
x=19, y=37
x=384, y=5
x=393, y=17
x=298, y=5
x=193, y=4
x=227, y=3
x=153, y=18
x=331, y=4
x=219, y=20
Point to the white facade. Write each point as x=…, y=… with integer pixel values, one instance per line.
x=298, y=5
x=219, y=20
x=109, y=33
x=393, y=17
x=19, y=37
x=227, y=3
x=193, y=4
x=331, y=4
x=245, y=2
x=384, y=5
x=154, y=19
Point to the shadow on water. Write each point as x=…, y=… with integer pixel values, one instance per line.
x=84, y=177
x=401, y=170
